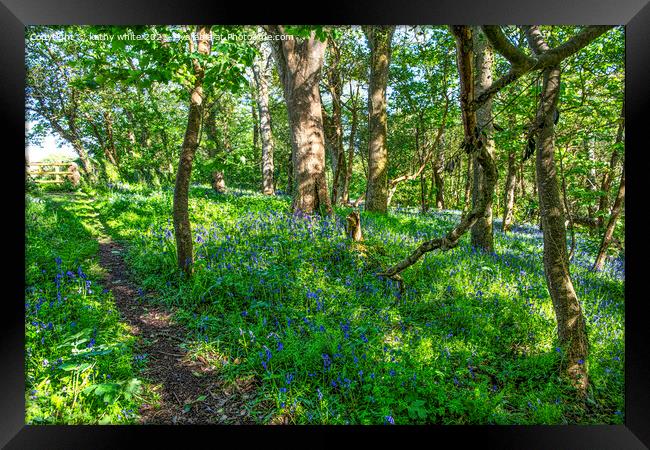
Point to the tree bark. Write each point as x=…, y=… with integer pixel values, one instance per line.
x=468, y=184
x=482, y=233
x=379, y=41
x=335, y=87
x=183, y=232
x=423, y=182
x=463, y=35
x=570, y=320
x=261, y=73
x=509, y=193
x=439, y=183
x=611, y=224
x=345, y=197
x=299, y=62
x=83, y=156
x=603, y=203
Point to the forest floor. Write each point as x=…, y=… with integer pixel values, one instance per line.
x=188, y=392
x=283, y=321
x=181, y=389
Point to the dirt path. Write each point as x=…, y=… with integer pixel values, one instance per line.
x=189, y=392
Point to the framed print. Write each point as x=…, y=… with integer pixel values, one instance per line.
x=382, y=220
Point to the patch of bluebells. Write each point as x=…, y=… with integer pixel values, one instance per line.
x=266, y=357
x=259, y=235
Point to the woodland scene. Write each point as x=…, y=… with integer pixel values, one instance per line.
x=366, y=225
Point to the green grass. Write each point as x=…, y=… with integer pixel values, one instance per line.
x=288, y=304
x=79, y=364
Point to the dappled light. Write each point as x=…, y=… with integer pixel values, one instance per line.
x=210, y=268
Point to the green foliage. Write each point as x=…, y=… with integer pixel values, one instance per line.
x=471, y=340
x=79, y=362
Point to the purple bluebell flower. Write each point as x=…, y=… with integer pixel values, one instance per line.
x=326, y=361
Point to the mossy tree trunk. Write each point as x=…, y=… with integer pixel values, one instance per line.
x=379, y=41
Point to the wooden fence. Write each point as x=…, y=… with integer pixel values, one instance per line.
x=50, y=172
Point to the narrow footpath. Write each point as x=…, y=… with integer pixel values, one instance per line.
x=189, y=390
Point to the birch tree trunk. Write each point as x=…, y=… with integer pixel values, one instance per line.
x=261, y=73
x=481, y=233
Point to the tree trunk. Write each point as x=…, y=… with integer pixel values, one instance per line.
x=570, y=320
x=261, y=74
x=522, y=181
x=463, y=36
x=299, y=63
x=353, y=226
x=591, y=177
x=603, y=203
x=422, y=159
x=439, y=182
x=509, y=194
x=345, y=198
x=335, y=87
x=611, y=224
x=83, y=156
x=256, y=127
x=379, y=41
x=482, y=235
x=183, y=232
x=290, y=175
x=111, y=150
x=424, y=206
x=468, y=184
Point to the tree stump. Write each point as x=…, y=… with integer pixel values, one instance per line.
x=353, y=226
x=218, y=182
x=75, y=176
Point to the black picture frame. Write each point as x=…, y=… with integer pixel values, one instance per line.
x=16, y=14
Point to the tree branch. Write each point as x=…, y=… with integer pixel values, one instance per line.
x=463, y=37
x=522, y=64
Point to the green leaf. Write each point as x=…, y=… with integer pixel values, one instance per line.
x=133, y=386
x=106, y=420
x=72, y=366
